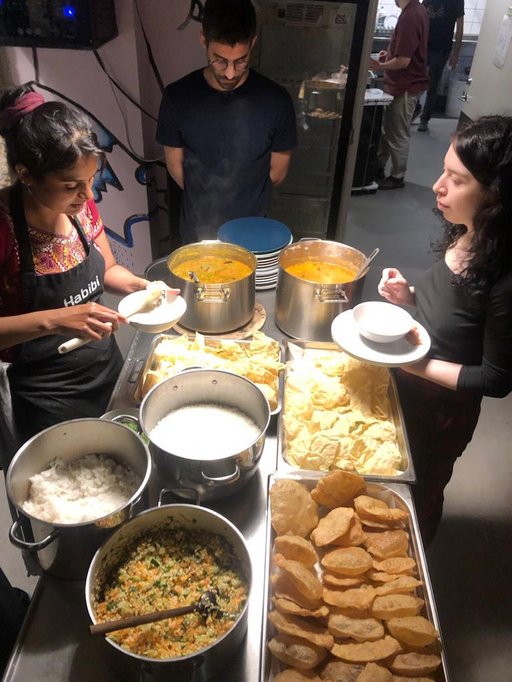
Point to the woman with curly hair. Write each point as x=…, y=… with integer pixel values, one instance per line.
x=465, y=302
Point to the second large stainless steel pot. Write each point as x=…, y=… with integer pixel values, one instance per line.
x=66, y=550
x=220, y=307
x=305, y=310
x=210, y=478
x=206, y=662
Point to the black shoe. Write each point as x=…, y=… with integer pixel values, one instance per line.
x=423, y=127
x=391, y=183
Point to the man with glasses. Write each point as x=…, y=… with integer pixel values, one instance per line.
x=227, y=131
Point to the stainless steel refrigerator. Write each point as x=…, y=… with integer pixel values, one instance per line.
x=316, y=49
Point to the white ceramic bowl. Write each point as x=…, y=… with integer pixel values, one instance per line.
x=382, y=322
x=155, y=321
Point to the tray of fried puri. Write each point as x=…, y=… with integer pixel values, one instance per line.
x=347, y=594
x=341, y=413
x=257, y=359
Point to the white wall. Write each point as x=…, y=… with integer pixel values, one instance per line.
x=473, y=14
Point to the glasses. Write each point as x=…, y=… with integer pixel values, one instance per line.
x=221, y=64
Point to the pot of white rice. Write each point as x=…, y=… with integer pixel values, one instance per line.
x=73, y=483
x=207, y=431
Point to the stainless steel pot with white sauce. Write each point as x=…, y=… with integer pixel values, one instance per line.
x=66, y=550
x=200, y=474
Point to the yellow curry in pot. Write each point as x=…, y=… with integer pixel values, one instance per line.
x=321, y=272
x=213, y=269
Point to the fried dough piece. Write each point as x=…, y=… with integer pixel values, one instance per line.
x=402, y=565
x=415, y=664
x=296, y=652
x=347, y=561
x=375, y=673
x=293, y=675
x=355, y=536
x=389, y=543
x=359, y=599
x=367, y=652
x=377, y=510
x=302, y=577
x=331, y=580
x=293, y=510
x=332, y=526
x=300, y=627
x=293, y=609
x=401, y=678
x=360, y=629
x=416, y=631
x=401, y=585
x=339, y=671
x=297, y=548
x=337, y=488
x=396, y=606
x=379, y=577
x=283, y=588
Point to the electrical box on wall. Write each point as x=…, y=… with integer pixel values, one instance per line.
x=75, y=24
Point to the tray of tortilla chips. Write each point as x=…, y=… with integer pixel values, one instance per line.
x=341, y=413
x=347, y=592
x=257, y=359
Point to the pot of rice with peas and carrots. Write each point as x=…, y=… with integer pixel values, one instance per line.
x=167, y=557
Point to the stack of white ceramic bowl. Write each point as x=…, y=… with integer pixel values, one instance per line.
x=266, y=238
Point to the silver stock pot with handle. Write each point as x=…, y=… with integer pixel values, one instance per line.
x=202, y=473
x=66, y=549
x=305, y=308
x=202, y=664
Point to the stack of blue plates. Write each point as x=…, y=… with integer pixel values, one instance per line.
x=266, y=238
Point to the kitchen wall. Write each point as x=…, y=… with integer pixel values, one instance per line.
x=388, y=13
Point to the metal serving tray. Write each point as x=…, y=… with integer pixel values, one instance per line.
x=395, y=495
x=209, y=341
x=408, y=474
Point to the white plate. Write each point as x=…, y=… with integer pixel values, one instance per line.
x=261, y=287
x=345, y=333
x=155, y=321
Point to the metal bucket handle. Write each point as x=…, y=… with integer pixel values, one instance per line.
x=31, y=546
x=216, y=293
x=223, y=480
x=173, y=491
x=130, y=418
x=329, y=295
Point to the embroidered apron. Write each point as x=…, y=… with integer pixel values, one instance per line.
x=46, y=387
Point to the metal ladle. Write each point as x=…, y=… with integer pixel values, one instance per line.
x=366, y=263
x=206, y=606
x=193, y=277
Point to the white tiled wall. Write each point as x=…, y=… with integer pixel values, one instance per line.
x=473, y=14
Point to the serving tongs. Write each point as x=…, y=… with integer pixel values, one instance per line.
x=205, y=606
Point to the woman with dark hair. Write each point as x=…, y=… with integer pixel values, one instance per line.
x=55, y=261
x=465, y=303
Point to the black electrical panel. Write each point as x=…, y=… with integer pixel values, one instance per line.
x=75, y=24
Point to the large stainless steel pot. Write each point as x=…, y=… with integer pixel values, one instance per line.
x=66, y=550
x=214, y=308
x=210, y=479
x=203, y=664
x=305, y=310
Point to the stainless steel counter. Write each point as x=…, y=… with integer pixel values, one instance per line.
x=55, y=644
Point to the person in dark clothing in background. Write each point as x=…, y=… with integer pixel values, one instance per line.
x=465, y=303
x=444, y=15
x=405, y=77
x=13, y=607
x=227, y=131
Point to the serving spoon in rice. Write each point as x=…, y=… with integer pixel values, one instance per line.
x=206, y=606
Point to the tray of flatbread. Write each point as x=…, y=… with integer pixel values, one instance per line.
x=257, y=359
x=341, y=413
x=347, y=594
